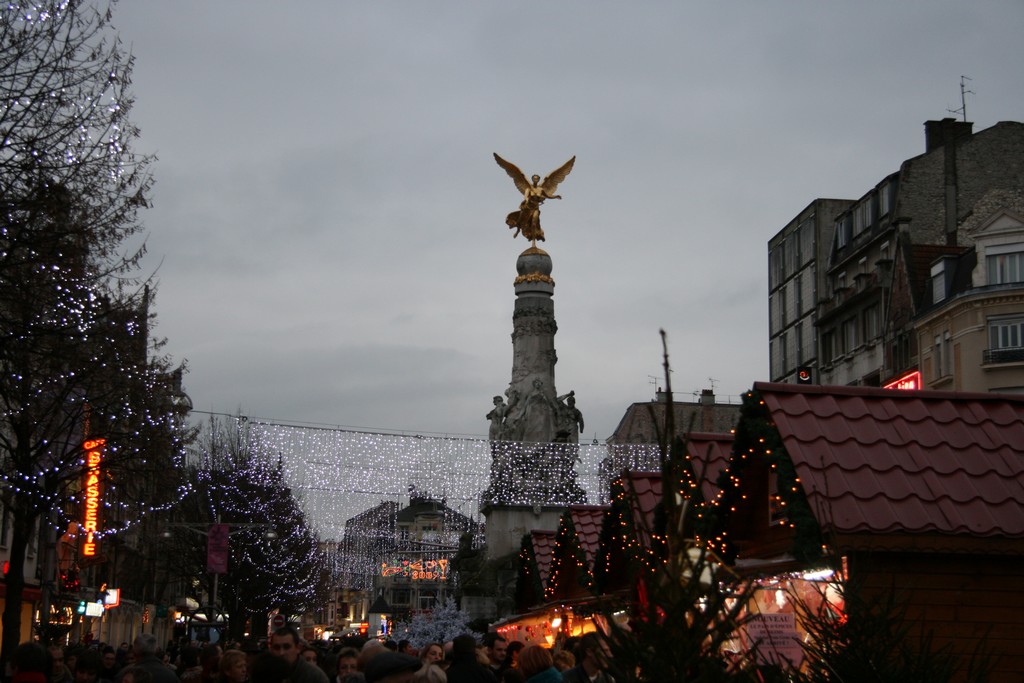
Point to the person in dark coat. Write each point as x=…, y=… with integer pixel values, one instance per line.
x=30, y=663
x=284, y=643
x=145, y=648
x=464, y=667
x=591, y=658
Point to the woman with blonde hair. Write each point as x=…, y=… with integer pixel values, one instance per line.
x=430, y=672
x=537, y=667
x=233, y=667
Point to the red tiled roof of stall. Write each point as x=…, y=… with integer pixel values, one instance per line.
x=643, y=490
x=886, y=461
x=587, y=520
x=710, y=455
x=575, y=550
x=543, y=543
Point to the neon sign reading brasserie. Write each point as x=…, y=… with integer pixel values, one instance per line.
x=417, y=570
x=91, y=517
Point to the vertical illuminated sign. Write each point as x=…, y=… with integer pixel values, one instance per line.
x=91, y=517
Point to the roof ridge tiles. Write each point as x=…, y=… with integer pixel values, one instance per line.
x=887, y=461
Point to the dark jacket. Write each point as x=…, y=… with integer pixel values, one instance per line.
x=304, y=672
x=465, y=669
x=578, y=675
x=160, y=672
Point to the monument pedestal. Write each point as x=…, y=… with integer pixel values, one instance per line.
x=507, y=524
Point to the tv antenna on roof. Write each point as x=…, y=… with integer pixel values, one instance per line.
x=963, y=98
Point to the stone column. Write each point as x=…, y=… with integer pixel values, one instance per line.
x=532, y=415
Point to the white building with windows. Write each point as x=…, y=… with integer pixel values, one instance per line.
x=972, y=336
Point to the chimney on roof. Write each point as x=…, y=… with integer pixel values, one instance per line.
x=939, y=133
x=945, y=134
x=707, y=410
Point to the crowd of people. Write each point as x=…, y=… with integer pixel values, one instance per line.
x=289, y=659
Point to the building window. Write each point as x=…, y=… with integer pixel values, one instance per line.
x=778, y=259
x=884, y=199
x=782, y=307
x=828, y=346
x=938, y=281
x=901, y=352
x=844, y=231
x=862, y=217
x=1003, y=333
x=798, y=332
x=427, y=599
x=798, y=286
x=783, y=353
x=1005, y=340
x=871, y=323
x=849, y=335
x=1006, y=267
x=400, y=596
x=943, y=359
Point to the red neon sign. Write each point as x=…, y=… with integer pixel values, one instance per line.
x=911, y=380
x=91, y=517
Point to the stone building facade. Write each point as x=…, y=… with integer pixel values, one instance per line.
x=878, y=265
x=796, y=273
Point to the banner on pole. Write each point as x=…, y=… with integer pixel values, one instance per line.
x=217, y=549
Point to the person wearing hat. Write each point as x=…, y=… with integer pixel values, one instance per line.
x=391, y=667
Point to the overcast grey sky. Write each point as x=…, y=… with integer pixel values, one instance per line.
x=328, y=220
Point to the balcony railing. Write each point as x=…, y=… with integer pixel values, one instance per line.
x=1014, y=355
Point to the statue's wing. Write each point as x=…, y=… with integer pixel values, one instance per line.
x=550, y=183
x=522, y=184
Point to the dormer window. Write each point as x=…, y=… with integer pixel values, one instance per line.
x=938, y=281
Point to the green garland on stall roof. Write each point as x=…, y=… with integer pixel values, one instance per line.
x=756, y=424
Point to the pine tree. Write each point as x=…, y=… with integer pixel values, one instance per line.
x=235, y=485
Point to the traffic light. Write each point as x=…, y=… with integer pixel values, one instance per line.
x=804, y=376
x=81, y=607
x=69, y=581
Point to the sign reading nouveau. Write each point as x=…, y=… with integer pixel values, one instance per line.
x=91, y=518
x=417, y=570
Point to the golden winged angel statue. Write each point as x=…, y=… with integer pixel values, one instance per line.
x=527, y=219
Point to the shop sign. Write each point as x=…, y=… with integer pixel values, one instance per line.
x=91, y=514
x=909, y=381
x=775, y=638
x=417, y=570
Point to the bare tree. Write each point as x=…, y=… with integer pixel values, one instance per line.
x=76, y=359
